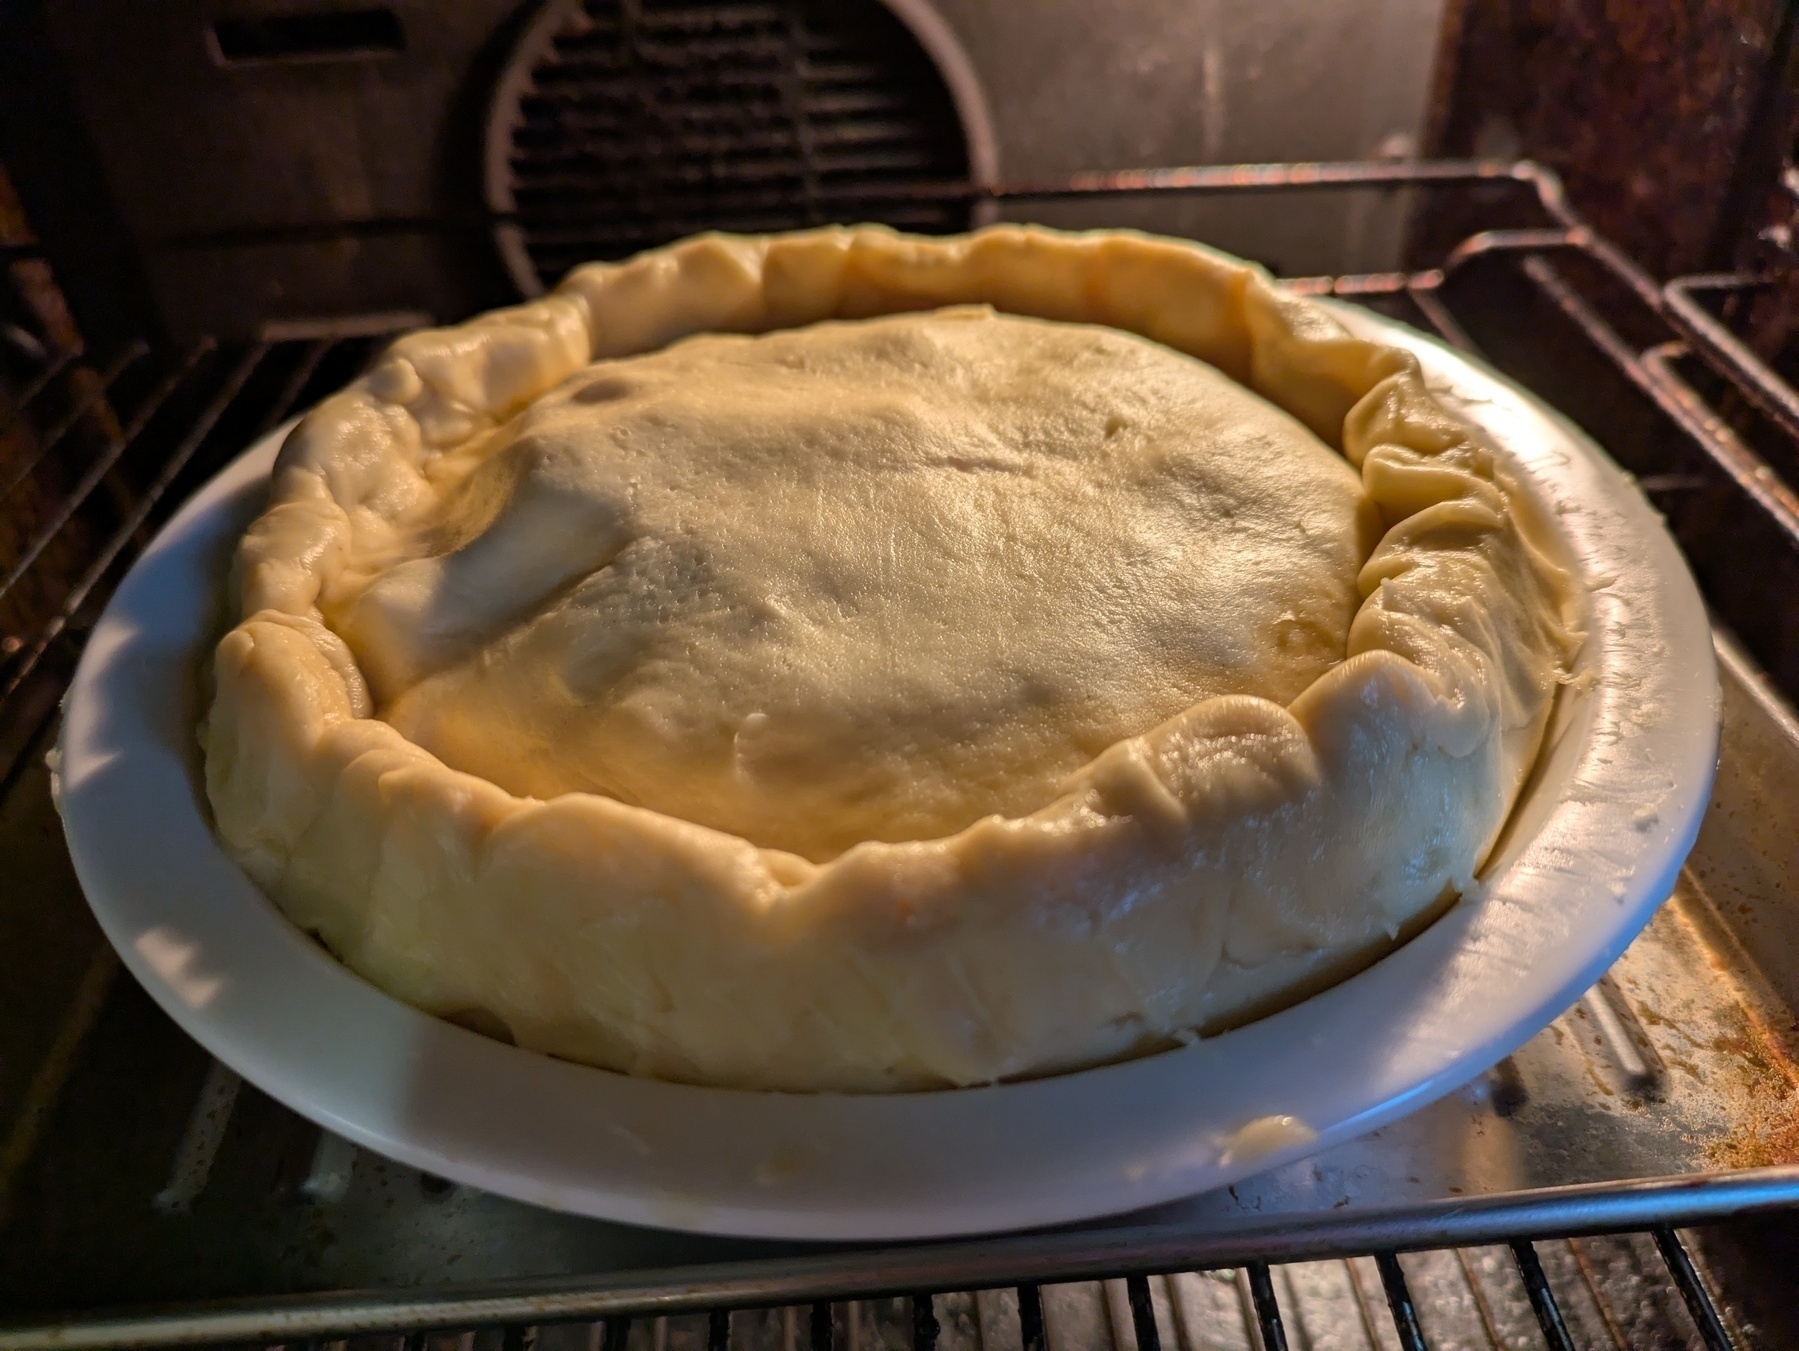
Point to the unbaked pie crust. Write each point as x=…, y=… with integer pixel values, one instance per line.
x=832, y=717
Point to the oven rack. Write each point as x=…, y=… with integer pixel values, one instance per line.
x=122, y=437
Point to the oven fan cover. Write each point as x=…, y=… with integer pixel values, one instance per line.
x=619, y=125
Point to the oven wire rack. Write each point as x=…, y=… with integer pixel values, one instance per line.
x=122, y=437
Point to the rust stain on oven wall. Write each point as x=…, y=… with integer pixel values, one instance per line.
x=1652, y=113
x=1766, y=1133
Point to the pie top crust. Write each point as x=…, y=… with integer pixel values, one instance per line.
x=865, y=580
x=903, y=703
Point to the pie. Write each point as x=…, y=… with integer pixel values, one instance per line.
x=853, y=661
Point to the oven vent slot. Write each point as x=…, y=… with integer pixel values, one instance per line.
x=621, y=126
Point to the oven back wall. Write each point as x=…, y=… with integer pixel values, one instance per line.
x=266, y=160
x=282, y=161
x=1075, y=84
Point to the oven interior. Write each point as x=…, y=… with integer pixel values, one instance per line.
x=210, y=216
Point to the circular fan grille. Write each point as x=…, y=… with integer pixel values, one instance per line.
x=623, y=124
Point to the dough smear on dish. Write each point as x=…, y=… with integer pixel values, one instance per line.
x=860, y=581
x=897, y=699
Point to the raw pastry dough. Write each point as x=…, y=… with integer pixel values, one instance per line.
x=910, y=702
x=862, y=581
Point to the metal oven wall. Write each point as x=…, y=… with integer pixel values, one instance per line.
x=1075, y=85
x=213, y=192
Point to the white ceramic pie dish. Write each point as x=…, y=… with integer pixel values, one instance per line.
x=1593, y=848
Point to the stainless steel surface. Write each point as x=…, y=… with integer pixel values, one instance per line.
x=135, y=1173
x=1212, y=82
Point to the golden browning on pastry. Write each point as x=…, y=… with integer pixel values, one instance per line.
x=1030, y=649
